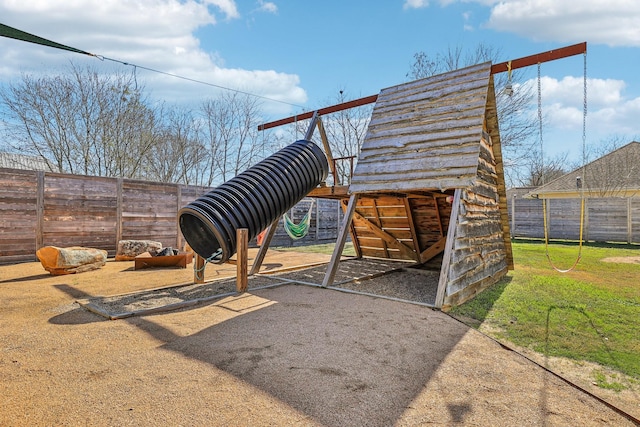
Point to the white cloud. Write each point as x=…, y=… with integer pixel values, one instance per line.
x=157, y=34
x=609, y=111
x=227, y=6
x=614, y=22
x=415, y=4
x=267, y=6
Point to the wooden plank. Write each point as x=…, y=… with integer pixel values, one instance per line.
x=330, y=192
x=550, y=55
x=352, y=231
x=437, y=210
x=377, y=222
x=388, y=238
x=242, y=241
x=40, y=210
x=198, y=269
x=493, y=140
x=327, y=149
x=629, y=222
x=118, y=210
x=432, y=251
x=448, y=249
x=332, y=269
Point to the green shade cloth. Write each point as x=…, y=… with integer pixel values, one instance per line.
x=13, y=33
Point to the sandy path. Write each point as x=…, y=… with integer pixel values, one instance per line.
x=290, y=355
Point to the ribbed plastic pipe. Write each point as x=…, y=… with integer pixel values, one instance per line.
x=252, y=200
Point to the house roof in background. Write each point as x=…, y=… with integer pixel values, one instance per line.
x=21, y=161
x=612, y=175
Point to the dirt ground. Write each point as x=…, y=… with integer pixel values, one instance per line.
x=288, y=355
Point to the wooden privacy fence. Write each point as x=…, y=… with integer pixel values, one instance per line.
x=611, y=219
x=51, y=209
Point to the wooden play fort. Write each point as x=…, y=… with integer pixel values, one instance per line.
x=428, y=185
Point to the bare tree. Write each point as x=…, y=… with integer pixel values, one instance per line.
x=230, y=125
x=82, y=122
x=179, y=155
x=544, y=170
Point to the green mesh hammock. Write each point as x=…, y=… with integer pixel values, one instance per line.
x=298, y=231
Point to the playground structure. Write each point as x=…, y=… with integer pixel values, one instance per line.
x=428, y=185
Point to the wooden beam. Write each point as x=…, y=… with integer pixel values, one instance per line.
x=312, y=126
x=326, y=110
x=526, y=61
x=333, y=192
x=435, y=202
x=327, y=149
x=379, y=225
x=352, y=231
x=412, y=225
x=262, y=252
x=550, y=55
x=448, y=249
x=332, y=269
x=433, y=250
x=387, y=238
x=242, y=278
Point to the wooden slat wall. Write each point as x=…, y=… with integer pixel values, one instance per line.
x=609, y=214
x=634, y=219
x=149, y=210
x=79, y=211
x=606, y=219
x=389, y=214
x=18, y=210
x=424, y=134
x=479, y=257
x=41, y=209
x=427, y=220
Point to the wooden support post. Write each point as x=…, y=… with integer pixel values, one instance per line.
x=198, y=269
x=433, y=250
x=332, y=269
x=327, y=151
x=352, y=230
x=242, y=278
x=312, y=126
x=412, y=224
x=262, y=252
x=448, y=249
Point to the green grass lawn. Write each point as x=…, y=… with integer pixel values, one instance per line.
x=589, y=314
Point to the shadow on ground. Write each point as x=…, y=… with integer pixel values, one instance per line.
x=360, y=359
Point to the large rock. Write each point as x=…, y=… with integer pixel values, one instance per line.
x=128, y=250
x=75, y=259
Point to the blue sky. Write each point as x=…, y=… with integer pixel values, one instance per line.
x=302, y=53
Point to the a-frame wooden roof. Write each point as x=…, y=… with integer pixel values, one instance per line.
x=425, y=134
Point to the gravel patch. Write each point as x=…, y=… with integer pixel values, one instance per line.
x=375, y=277
x=169, y=298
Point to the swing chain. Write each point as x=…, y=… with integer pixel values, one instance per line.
x=540, y=125
x=584, y=121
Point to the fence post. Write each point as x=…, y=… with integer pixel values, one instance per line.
x=39, y=209
x=513, y=216
x=178, y=207
x=119, y=184
x=629, y=222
